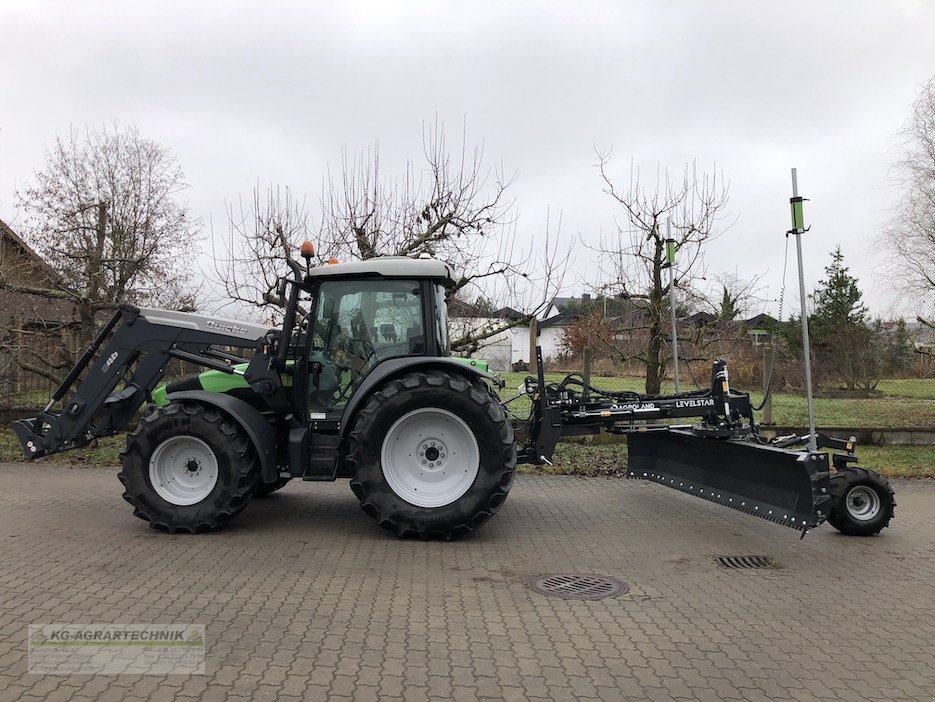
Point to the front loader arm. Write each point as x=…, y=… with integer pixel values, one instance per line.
x=134, y=348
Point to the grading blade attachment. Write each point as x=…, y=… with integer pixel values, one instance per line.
x=788, y=487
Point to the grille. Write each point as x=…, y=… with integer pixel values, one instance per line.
x=747, y=562
x=578, y=586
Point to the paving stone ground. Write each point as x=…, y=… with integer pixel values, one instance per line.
x=304, y=597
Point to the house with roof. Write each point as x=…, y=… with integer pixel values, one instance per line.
x=758, y=328
x=27, y=321
x=511, y=348
x=923, y=337
x=22, y=268
x=467, y=321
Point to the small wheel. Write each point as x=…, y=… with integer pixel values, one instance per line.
x=188, y=467
x=432, y=455
x=265, y=489
x=862, y=502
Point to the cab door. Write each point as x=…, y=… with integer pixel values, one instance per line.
x=356, y=325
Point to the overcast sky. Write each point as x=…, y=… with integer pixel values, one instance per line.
x=271, y=91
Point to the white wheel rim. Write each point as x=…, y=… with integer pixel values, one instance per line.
x=863, y=503
x=183, y=470
x=430, y=457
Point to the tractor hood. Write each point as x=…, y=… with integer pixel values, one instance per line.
x=210, y=381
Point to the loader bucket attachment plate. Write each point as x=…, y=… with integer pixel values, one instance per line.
x=787, y=487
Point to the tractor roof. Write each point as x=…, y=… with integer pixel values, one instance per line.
x=387, y=267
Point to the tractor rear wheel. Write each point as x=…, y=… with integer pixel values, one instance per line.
x=432, y=455
x=862, y=502
x=188, y=468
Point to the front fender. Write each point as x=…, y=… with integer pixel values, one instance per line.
x=254, y=424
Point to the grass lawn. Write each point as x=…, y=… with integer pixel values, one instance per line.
x=104, y=452
x=899, y=403
x=923, y=388
x=899, y=461
x=875, y=412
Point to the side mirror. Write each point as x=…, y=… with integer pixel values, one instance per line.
x=281, y=289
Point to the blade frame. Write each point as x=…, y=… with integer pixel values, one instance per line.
x=714, y=469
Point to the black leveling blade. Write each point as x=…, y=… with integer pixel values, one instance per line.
x=783, y=486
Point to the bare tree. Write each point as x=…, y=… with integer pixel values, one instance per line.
x=730, y=299
x=695, y=205
x=105, y=213
x=263, y=234
x=451, y=205
x=733, y=295
x=911, y=234
x=527, y=284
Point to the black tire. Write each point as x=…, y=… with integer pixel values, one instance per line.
x=266, y=489
x=237, y=469
x=470, y=402
x=862, y=504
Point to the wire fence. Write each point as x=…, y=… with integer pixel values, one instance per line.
x=893, y=404
x=23, y=392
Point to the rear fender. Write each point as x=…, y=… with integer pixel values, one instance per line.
x=254, y=424
x=395, y=367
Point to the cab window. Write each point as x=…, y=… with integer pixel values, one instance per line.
x=357, y=324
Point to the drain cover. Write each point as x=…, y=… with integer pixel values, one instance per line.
x=747, y=562
x=578, y=586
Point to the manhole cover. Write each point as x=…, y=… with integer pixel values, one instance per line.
x=578, y=586
x=747, y=562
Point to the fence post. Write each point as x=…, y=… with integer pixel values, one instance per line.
x=533, y=337
x=586, y=372
x=768, y=406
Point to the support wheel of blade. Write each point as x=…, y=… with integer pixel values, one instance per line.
x=863, y=502
x=266, y=489
x=188, y=468
x=432, y=454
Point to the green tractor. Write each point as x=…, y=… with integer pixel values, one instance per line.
x=359, y=383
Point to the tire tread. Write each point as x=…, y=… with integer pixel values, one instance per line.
x=365, y=428
x=176, y=519
x=846, y=479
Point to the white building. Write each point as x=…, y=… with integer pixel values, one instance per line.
x=510, y=347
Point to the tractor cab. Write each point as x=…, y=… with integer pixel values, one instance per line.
x=359, y=315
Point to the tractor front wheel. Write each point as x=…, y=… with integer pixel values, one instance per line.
x=432, y=455
x=862, y=502
x=188, y=468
